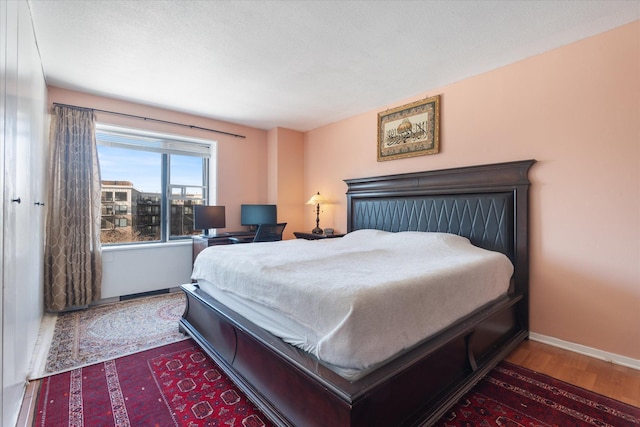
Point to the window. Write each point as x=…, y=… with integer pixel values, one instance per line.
x=150, y=183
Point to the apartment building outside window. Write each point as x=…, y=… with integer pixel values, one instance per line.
x=150, y=183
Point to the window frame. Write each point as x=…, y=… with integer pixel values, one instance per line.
x=171, y=144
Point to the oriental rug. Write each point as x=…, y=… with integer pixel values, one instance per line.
x=513, y=396
x=173, y=385
x=108, y=331
x=178, y=385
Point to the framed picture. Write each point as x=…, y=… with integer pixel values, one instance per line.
x=410, y=130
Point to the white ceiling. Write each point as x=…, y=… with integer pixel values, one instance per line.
x=297, y=64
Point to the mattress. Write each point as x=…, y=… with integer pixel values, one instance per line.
x=356, y=301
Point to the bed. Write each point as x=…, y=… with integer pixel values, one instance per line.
x=486, y=204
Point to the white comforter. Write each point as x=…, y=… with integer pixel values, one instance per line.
x=355, y=301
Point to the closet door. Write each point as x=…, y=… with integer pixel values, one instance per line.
x=23, y=133
x=31, y=142
x=11, y=390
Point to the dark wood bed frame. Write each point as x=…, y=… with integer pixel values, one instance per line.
x=489, y=205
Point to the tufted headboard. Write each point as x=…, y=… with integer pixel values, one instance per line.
x=488, y=204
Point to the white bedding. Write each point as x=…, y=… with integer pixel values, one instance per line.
x=358, y=300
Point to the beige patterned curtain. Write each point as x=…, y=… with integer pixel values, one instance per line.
x=73, y=261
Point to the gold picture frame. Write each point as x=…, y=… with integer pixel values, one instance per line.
x=410, y=130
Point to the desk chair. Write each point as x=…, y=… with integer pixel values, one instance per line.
x=265, y=233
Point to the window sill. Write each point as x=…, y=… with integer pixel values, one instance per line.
x=142, y=246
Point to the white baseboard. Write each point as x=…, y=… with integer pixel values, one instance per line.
x=587, y=351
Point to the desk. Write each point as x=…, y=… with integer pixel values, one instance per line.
x=201, y=243
x=311, y=236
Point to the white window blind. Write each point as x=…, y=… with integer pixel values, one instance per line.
x=114, y=136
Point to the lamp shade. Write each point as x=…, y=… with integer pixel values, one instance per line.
x=206, y=217
x=316, y=199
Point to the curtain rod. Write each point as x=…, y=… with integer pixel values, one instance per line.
x=152, y=120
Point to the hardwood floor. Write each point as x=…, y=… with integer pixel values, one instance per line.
x=608, y=379
x=614, y=381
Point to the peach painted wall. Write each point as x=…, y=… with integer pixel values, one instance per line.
x=286, y=177
x=576, y=110
x=242, y=163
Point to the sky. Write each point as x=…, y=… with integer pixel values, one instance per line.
x=144, y=169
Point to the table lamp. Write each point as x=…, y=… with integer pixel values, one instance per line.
x=317, y=199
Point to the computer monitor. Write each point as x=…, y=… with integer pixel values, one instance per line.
x=206, y=217
x=254, y=215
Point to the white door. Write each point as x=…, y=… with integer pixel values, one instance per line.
x=11, y=392
x=22, y=129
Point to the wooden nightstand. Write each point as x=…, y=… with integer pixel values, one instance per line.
x=311, y=236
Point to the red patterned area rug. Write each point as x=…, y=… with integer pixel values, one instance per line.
x=173, y=385
x=178, y=385
x=512, y=396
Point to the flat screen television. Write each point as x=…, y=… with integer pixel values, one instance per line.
x=254, y=215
